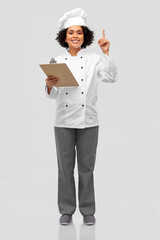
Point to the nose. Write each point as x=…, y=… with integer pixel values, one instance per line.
x=75, y=34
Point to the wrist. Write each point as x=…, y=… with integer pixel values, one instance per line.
x=107, y=53
x=49, y=89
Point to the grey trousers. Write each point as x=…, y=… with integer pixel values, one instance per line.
x=70, y=141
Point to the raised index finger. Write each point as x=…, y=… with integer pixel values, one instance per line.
x=103, y=33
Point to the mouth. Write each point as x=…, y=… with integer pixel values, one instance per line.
x=75, y=41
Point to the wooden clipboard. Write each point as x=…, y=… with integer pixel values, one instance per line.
x=61, y=71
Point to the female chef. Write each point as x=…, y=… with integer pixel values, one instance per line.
x=76, y=122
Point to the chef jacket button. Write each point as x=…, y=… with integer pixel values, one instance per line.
x=81, y=67
x=66, y=105
x=82, y=105
x=81, y=79
x=65, y=58
x=66, y=92
x=81, y=57
x=82, y=92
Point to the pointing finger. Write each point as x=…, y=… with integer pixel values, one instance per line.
x=103, y=33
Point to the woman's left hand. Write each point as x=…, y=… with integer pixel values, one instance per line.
x=104, y=43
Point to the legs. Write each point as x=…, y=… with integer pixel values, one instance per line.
x=65, y=143
x=87, y=140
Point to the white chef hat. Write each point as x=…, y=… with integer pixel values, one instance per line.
x=75, y=17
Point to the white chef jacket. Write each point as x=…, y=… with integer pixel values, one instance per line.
x=76, y=106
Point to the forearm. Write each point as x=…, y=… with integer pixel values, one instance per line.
x=110, y=69
x=106, y=68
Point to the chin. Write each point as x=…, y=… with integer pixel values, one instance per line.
x=78, y=46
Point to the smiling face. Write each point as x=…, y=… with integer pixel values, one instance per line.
x=74, y=37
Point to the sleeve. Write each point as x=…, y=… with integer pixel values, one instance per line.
x=54, y=90
x=106, y=68
x=53, y=93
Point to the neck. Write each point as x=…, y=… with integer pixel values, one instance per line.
x=74, y=51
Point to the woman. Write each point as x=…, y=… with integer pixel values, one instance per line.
x=76, y=123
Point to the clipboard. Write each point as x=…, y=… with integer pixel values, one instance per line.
x=61, y=71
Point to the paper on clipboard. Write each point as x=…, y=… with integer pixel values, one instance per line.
x=61, y=71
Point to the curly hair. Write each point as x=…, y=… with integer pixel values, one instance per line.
x=88, y=37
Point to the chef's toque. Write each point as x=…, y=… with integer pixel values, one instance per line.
x=75, y=17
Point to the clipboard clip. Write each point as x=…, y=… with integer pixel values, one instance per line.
x=53, y=60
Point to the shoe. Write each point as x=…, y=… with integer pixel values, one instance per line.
x=89, y=219
x=65, y=219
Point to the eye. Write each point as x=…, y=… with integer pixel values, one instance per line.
x=72, y=33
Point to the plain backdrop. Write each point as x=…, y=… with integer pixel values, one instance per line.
x=127, y=179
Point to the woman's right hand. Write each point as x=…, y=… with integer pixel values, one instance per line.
x=51, y=80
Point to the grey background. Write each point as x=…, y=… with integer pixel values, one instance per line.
x=127, y=180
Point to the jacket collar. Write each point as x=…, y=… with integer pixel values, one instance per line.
x=81, y=52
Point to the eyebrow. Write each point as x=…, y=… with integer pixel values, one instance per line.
x=73, y=30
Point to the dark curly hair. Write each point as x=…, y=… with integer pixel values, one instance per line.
x=88, y=37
